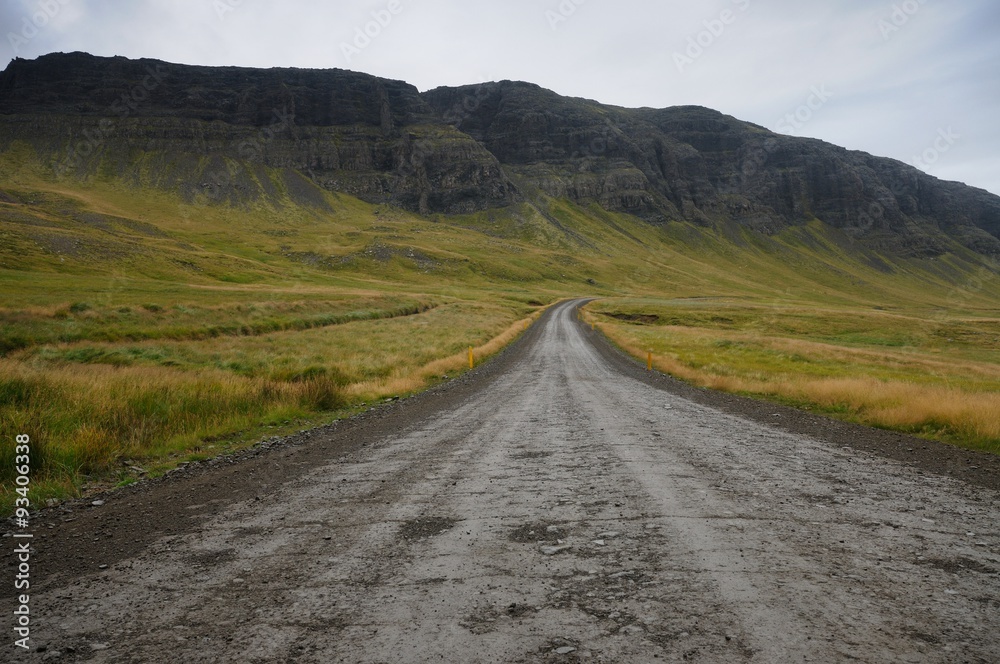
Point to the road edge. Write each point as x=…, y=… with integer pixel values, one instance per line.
x=978, y=468
x=76, y=537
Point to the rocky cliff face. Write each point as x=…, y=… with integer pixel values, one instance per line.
x=225, y=132
x=210, y=130
x=700, y=165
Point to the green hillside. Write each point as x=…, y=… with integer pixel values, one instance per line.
x=140, y=328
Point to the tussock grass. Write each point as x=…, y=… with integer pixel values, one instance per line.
x=84, y=420
x=25, y=328
x=92, y=409
x=946, y=390
x=436, y=369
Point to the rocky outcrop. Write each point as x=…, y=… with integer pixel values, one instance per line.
x=703, y=166
x=235, y=134
x=222, y=131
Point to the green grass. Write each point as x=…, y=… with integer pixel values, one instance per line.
x=140, y=329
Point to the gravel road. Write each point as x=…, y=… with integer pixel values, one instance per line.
x=555, y=508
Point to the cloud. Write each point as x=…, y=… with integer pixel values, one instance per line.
x=899, y=71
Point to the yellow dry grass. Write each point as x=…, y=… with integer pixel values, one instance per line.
x=965, y=416
x=402, y=382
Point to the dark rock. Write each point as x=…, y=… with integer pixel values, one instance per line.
x=696, y=164
x=230, y=134
x=234, y=135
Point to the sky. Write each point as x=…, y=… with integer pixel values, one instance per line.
x=916, y=80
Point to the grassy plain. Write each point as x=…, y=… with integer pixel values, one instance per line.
x=140, y=328
x=934, y=376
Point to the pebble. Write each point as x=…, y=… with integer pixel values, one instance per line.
x=611, y=534
x=97, y=503
x=102, y=567
x=565, y=650
x=98, y=646
x=554, y=550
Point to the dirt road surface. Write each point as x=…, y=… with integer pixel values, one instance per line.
x=553, y=508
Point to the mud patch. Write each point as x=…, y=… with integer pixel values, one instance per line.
x=957, y=565
x=532, y=533
x=531, y=455
x=516, y=610
x=425, y=527
x=828, y=500
x=212, y=558
x=482, y=621
x=923, y=636
x=251, y=531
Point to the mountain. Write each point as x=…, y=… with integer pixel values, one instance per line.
x=221, y=133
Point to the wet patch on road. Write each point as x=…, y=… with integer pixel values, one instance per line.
x=425, y=527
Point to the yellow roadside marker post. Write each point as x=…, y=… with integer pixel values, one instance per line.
x=649, y=361
x=472, y=363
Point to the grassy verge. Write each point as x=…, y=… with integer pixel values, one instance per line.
x=931, y=376
x=102, y=413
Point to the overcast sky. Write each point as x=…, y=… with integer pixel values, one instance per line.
x=918, y=80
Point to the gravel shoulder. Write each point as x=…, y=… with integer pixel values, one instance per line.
x=549, y=506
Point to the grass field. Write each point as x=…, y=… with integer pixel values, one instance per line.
x=94, y=408
x=139, y=329
x=934, y=376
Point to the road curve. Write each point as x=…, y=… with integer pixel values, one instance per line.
x=563, y=512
